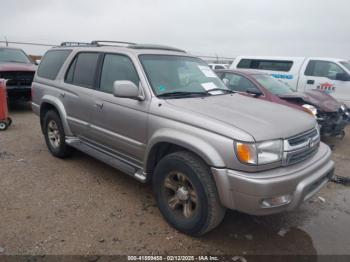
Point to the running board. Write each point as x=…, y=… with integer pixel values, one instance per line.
x=107, y=158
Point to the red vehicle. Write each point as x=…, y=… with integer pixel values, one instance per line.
x=5, y=121
x=330, y=114
x=18, y=69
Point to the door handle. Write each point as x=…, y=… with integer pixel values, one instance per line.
x=310, y=82
x=99, y=105
x=62, y=95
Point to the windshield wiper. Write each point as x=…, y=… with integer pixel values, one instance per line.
x=220, y=89
x=182, y=94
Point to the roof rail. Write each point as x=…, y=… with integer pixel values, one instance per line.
x=158, y=47
x=99, y=42
x=75, y=44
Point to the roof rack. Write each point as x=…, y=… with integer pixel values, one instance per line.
x=122, y=43
x=75, y=44
x=158, y=47
x=99, y=42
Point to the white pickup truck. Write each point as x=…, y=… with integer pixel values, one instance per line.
x=329, y=75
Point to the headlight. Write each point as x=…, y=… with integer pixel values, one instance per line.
x=311, y=109
x=259, y=153
x=343, y=108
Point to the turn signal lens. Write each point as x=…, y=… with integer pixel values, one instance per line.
x=246, y=153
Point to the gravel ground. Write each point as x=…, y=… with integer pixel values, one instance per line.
x=81, y=206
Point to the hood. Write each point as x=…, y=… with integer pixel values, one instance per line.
x=316, y=98
x=261, y=119
x=17, y=67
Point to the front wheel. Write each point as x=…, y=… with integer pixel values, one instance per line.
x=186, y=193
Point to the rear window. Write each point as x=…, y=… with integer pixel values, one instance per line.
x=272, y=65
x=51, y=63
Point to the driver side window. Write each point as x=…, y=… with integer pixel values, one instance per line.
x=238, y=83
x=323, y=69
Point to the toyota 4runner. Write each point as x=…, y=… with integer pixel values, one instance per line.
x=161, y=115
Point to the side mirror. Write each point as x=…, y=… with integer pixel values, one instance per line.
x=342, y=77
x=127, y=89
x=254, y=92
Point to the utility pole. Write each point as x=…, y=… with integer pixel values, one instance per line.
x=7, y=43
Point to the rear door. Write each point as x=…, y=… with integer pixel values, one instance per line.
x=80, y=82
x=323, y=75
x=119, y=124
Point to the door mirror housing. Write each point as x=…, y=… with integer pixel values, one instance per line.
x=342, y=77
x=127, y=89
x=254, y=92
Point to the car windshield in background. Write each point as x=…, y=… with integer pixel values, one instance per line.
x=273, y=85
x=13, y=55
x=346, y=64
x=180, y=75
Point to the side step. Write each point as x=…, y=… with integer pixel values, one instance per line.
x=107, y=158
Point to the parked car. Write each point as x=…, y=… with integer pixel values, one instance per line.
x=218, y=66
x=162, y=115
x=330, y=114
x=329, y=75
x=18, y=69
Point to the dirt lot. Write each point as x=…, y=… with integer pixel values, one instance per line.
x=82, y=206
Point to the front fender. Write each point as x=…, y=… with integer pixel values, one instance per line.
x=191, y=142
x=54, y=101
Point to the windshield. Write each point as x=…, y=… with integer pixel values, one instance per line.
x=346, y=64
x=13, y=55
x=170, y=74
x=273, y=85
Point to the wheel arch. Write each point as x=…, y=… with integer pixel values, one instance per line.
x=168, y=141
x=52, y=103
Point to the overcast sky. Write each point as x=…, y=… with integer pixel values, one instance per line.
x=205, y=27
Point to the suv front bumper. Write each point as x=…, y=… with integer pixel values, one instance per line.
x=246, y=192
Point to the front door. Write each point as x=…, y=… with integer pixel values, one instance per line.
x=324, y=76
x=120, y=124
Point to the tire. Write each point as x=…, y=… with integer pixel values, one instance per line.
x=186, y=194
x=3, y=126
x=53, y=131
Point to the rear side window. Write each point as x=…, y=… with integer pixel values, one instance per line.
x=115, y=68
x=82, y=71
x=272, y=65
x=51, y=63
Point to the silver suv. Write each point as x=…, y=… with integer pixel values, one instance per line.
x=161, y=115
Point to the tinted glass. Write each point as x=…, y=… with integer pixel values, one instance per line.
x=82, y=71
x=272, y=65
x=346, y=64
x=168, y=73
x=13, y=55
x=275, y=86
x=115, y=68
x=52, y=62
x=323, y=69
x=238, y=83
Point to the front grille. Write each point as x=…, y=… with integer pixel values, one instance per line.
x=301, y=147
x=18, y=78
x=302, y=138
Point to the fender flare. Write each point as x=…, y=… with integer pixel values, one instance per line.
x=55, y=102
x=192, y=143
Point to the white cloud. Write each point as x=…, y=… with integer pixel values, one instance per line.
x=223, y=27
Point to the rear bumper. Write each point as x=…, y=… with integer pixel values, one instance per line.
x=245, y=192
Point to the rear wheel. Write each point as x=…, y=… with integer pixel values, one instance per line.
x=186, y=193
x=55, y=136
